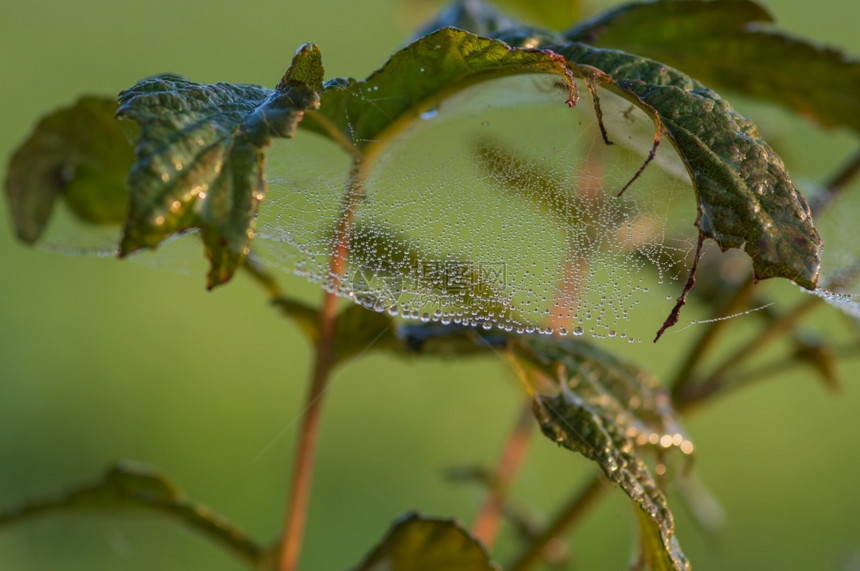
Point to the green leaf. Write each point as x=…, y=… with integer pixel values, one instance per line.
x=306, y=317
x=434, y=339
x=415, y=80
x=134, y=486
x=358, y=330
x=199, y=158
x=727, y=44
x=477, y=17
x=652, y=555
x=745, y=195
x=606, y=410
x=79, y=154
x=417, y=543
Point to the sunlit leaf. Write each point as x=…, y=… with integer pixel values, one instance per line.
x=415, y=80
x=199, y=158
x=606, y=410
x=418, y=543
x=728, y=44
x=80, y=155
x=652, y=554
x=133, y=486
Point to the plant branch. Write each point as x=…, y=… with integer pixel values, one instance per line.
x=489, y=517
x=716, y=381
x=570, y=515
x=684, y=376
x=299, y=498
x=836, y=184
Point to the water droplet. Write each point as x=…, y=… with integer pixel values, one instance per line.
x=578, y=331
x=430, y=113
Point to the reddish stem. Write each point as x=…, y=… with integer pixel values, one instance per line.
x=489, y=518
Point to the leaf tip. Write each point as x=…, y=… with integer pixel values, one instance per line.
x=306, y=68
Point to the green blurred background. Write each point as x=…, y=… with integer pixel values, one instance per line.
x=103, y=360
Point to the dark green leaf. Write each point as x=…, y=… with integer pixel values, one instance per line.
x=81, y=155
x=727, y=44
x=606, y=410
x=434, y=339
x=417, y=543
x=306, y=317
x=358, y=330
x=745, y=195
x=415, y=80
x=477, y=17
x=199, y=159
x=133, y=486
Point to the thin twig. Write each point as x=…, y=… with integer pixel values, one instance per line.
x=684, y=376
x=836, y=184
x=570, y=515
x=716, y=381
x=489, y=517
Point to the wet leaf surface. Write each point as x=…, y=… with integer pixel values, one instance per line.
x=607, y=410
x=745, y=195
x=199, y=158
x=418, y=543
x=729, y=44
x=416, y=79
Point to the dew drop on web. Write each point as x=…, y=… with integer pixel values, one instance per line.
x=499, y=210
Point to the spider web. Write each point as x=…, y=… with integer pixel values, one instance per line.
x=499, y=210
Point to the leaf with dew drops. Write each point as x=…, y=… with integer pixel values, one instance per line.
x=199, y=158
x=730, y=44
x=607, y=410
x=746, y=197
x=415, y=80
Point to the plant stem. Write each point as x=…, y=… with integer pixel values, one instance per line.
x=303, y=464
x=684, y=376
x=487, y=522
x=299, y=498
x=571, y=514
